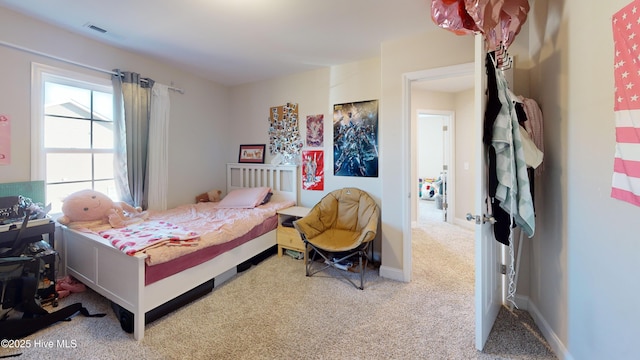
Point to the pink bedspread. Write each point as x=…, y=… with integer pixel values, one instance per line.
x=149, y=234
x=215, y=225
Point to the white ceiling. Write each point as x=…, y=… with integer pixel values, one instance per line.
x=240, y=41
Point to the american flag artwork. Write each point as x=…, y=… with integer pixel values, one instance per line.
x=626, y=168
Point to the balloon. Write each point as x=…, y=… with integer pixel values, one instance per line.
x=485, y=13
x=452, y=15
x=512, y=16
x=499, y=20
x=517, y=11
x=496, y=36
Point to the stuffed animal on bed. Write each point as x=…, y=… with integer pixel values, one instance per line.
x=213, y=196
x=94, y=210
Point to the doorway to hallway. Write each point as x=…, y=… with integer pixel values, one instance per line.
x=433, y=157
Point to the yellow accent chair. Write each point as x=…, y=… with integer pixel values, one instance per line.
x=338, y=230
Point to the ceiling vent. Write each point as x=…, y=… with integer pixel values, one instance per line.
x=95, y=28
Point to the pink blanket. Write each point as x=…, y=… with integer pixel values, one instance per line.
x=149, y=234
x=215, y=225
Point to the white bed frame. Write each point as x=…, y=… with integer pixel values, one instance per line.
x=121, y=279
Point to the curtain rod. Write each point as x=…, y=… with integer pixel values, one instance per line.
x=35, y=52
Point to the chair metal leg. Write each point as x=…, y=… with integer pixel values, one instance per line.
x=308, y=259
x=362, y=270
x=311, y=260
x=331, y=263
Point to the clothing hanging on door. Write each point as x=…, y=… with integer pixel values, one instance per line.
x=501, y=228
x=513, y=189
x=511, y=156
x=534, y=126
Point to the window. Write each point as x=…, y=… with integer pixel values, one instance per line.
x=73, y=120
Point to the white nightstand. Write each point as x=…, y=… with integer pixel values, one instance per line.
x=288, y=237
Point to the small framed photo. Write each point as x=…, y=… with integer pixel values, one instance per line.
x=252, y=153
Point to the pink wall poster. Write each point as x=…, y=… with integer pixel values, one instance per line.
x=315, y=130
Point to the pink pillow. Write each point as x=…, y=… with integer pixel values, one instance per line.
x=244, y=198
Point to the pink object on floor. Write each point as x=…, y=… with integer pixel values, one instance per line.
x=68, y=285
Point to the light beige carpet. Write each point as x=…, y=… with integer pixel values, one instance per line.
x=273, y=311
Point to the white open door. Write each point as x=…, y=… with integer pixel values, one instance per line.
x=488, y=287
x=446, y=165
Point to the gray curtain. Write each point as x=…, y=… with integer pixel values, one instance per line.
x=132, y=96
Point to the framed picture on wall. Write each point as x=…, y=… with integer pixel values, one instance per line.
x=251, y=153
x=355, y=139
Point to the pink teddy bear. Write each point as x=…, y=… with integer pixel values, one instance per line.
x=93, y=210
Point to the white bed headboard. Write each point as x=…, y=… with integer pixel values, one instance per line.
x=282, y=179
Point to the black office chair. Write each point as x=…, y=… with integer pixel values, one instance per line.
x=19, y=278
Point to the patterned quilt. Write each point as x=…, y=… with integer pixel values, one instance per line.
x=149, y=234
x=172, y=233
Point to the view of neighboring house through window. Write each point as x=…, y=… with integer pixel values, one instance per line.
x=78, y=141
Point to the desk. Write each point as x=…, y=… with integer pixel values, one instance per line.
x=8, y=237
x=47, y=281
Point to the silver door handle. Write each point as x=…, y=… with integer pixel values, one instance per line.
x=481, y=219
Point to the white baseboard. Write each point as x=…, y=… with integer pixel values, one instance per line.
x=465, y=223
x=554, y=341
x=392, y=273
x=457, y=221
x=522, y=302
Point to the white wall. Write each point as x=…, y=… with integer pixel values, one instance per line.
x=465, y=164
x=250, y=105
x=315, y=92
x=400, y=57
x=586, y=252
x=462, y=105
x=198, y=118
x=430, y=146
x=422, y=100
x=358, y=81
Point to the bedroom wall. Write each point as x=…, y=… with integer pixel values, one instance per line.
x=430, y=152
x=465, y=156
x=428, y=51
x=198, y=146
x=586, y=253
x=424, y=100
x=250, y=104
x=315, y=92
x=462, y=104
x=359, y=81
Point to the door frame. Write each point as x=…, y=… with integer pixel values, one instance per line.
x=407, y=79
x=488, y=288
x=450, y=153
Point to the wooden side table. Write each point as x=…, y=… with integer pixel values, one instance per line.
x=289, y=237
